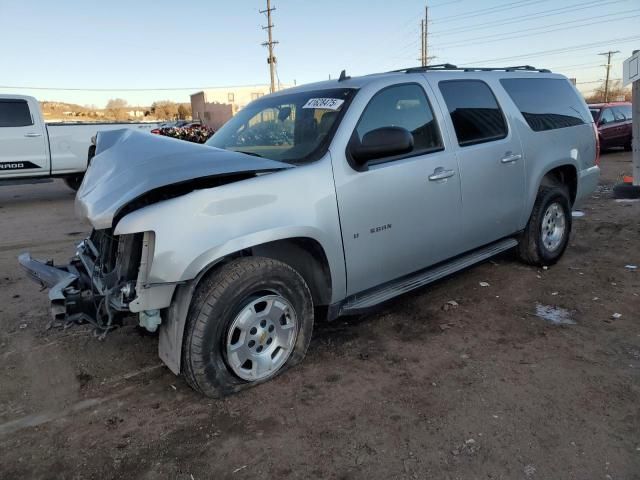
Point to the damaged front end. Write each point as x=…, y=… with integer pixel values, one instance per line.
x=99, y=283
x=110, y=276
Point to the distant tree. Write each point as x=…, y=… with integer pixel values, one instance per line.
x=117, y=109
x=184, y=111
x=165, y=110
x=616, y=90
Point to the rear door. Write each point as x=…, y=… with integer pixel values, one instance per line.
x=491, y=161
x=402, y=213
x=23, y=147
x=608, y=128
x=623, y=114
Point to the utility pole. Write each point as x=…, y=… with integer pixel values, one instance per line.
x=608, y=66
x=422, y=55
x=271, y=60
x=426, y=36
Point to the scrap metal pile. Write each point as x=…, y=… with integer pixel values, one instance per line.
x=195, y=134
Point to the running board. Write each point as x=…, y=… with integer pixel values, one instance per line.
x=406, y=284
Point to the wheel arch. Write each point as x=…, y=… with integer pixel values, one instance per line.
x=305, y=255
x=566, y=174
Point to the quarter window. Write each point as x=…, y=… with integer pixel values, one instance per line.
x=14, y=113
x=547, y=103
x=403, y=106
x=474, y=111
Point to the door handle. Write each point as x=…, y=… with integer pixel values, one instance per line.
x=441, y=174
x=511, y=157
x=32, y=134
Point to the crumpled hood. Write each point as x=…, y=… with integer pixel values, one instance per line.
x=129, y=164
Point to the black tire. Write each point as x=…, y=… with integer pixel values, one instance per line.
x=531, y=248
x=628, y=147
x=74, y=181
x=216, y=302
x=626, y=190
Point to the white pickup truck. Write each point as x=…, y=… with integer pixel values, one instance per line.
x=31, y=149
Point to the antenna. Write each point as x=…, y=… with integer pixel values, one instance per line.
x=343, y=76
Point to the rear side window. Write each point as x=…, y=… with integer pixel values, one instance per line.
x=623, y=112
x=607, y=116
x=14, y=113
x=546, y=103
x=474, y=111
x=403, y=106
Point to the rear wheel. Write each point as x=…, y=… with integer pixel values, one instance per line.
x=627, y=146
x=248, y=322
x=546, y=236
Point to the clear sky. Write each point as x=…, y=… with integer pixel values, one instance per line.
x=194, y=44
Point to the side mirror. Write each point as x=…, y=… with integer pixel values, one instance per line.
x=380, y=143
x=603, y=121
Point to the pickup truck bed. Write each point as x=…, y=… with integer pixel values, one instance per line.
x=33, y=149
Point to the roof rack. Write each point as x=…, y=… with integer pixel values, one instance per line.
x=449, y=66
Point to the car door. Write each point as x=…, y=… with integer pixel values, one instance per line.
x=491, y=161
x=401, y=213
x=622, y=114
x=608, y=128
x=23, y=148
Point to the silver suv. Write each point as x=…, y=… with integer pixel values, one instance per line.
x=322, y=200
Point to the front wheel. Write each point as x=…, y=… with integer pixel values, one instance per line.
x=248, y=322
x=546, y=236
x=74, y=181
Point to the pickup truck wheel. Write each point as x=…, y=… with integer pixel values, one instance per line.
x=546, y=236
x=248, y=322
x=74, y=181
x=628, y=147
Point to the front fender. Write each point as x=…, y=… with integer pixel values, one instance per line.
x=198, y=229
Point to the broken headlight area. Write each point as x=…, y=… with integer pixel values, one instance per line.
x=98, y=283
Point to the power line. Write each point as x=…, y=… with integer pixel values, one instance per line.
x=412, y=19
x=444, y=4
x=531, y=16
x=490, y=10
x=556, y=50
x=501, y=36
x=161, y=89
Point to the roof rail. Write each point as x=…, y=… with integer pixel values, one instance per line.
x=449, y=66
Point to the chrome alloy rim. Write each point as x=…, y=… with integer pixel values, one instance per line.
x=261, y=337
x=554, y=225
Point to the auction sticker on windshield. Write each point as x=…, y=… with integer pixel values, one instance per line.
x=325, y=103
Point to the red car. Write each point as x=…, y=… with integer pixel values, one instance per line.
x=613, y=121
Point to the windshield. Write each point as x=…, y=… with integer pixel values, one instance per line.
x=594, y=113
x=289, y=128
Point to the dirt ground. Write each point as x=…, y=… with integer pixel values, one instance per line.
x=485, y=389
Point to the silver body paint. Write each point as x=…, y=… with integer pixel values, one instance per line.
x=374, y=226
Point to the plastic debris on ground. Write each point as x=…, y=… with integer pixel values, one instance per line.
x=449, y=305
x=484, y=284
x=555, y=315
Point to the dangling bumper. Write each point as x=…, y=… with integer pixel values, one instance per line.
x=81, y=291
